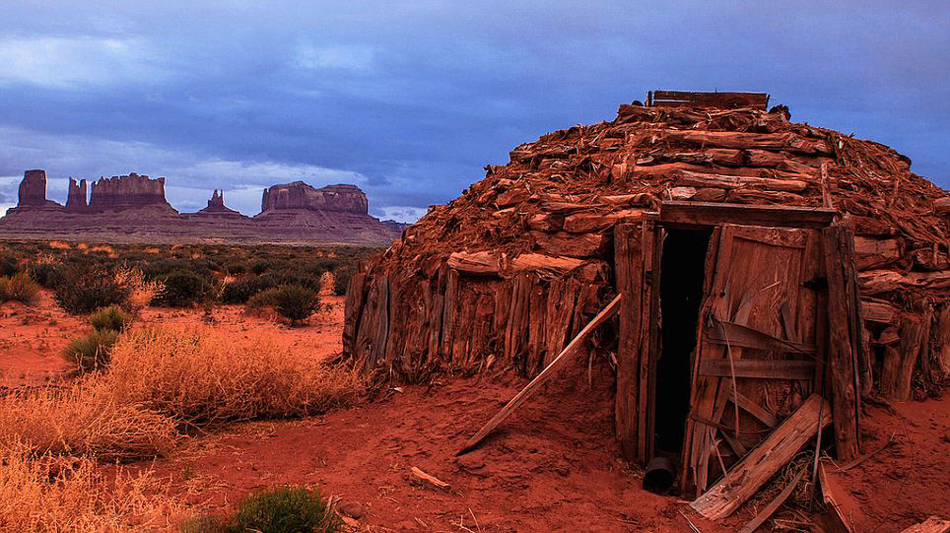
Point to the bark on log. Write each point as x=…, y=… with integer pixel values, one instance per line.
x=685, y=178
x=570, y=244
x=476, y=263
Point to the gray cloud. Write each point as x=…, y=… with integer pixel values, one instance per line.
x=410, y=102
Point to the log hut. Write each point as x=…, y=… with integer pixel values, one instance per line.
x=761, y=262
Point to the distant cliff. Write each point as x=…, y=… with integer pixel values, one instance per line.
x=299, y=195
x=134, y=207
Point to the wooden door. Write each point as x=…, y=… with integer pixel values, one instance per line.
x=756, y=351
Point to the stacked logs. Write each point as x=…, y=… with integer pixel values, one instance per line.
x=505, y=274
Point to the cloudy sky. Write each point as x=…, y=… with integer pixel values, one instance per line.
x=409, y=100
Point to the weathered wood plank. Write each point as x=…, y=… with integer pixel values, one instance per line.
x=712, y=214
x=629, y=276
x=765, y=460
x=758, y=368
x=841, y=346
x=754, y=409
x=732, y=334
x=475, y=263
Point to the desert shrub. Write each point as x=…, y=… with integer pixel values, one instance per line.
x=183, y=288
x=285, y=510
x=201, y=376
x=341, y=279
x=19, y=288
x=84, y=419
x=295, y=303
x=83, y=290
x=93, y=351
x=206, y=524
x=46, y=273
x=141, y=291
x=242, y=289
x=112, y=318
x=9, y=265
x=265, y=298
x=73, y=495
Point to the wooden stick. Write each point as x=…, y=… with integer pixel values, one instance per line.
x=546, y=374
x=764, y=515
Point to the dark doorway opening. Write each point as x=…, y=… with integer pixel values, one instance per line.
x=681, y=293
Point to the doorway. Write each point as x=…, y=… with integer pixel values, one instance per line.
x=681, y=293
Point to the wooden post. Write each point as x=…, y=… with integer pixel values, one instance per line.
x=841, y=345
x=629, y=273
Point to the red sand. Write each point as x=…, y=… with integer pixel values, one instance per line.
x=553, y=466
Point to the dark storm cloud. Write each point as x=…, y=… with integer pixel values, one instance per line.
x=410, y=101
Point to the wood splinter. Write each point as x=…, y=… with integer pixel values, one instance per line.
x=566, y=354
x=430, y=479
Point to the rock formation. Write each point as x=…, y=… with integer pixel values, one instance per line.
x=76, y=201
x=217, y=208
x=33, y=190
x=133, y=208
x=299, y=195
x=123, y=192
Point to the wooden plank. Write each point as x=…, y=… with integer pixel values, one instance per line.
x=773, y=506
x=754, y=409
x=732, y=334
x=652, y=318
x=898, y=367
x=841, y=356
x=758, y=368
x=765, y=460
x=686, y=178
x=714, y=214
x=566, y=355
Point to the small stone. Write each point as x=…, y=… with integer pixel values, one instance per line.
x=351, y=509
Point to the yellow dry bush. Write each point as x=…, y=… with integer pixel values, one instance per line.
x=72, y=495
x=86, y=418
x=141, y=290
x=58, y=245
x=82, y=246
x=203, y=376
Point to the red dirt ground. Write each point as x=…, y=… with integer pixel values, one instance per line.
x=552, y=467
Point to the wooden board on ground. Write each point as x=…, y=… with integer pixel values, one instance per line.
x=763, y=462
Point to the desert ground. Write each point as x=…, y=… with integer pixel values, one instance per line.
x=554, y=466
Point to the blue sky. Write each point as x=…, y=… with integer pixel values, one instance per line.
x=409, y=100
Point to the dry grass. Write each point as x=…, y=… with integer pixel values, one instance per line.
x=84, y=419
x=203, y=376
x=59, y=245
x=162, y=380
x=70, y=495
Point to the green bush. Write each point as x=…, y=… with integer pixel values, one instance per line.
x=285, y=510
x=83, y=290
x=112, y=318
x=92, y=351
x=242, y=289
x=47, y=274
x=341, y=279
x=265, y=298
x=295, y=303
x=9, y=265
x=183, y=288
x=278, y=510
x=18, y=287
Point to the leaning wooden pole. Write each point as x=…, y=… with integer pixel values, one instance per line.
x=566, y=354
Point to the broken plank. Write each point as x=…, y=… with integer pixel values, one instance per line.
x=765, y=460
x=566, y=354
x=430, y=479
x=931, y=525
x=732, y=334
x=769, y=509
x=758, y=368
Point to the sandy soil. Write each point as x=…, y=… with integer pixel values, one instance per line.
x=552, y=467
